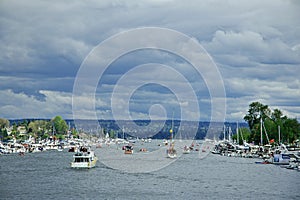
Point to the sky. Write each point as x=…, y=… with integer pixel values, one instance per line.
x=254, y=47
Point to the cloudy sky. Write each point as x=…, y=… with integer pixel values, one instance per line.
x=254, y=44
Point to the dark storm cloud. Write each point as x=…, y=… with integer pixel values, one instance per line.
x=43, y=43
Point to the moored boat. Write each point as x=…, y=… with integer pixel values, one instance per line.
x=281, y=159
x=263, y=162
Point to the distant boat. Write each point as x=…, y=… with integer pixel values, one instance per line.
x=143, y=150
x=293, y=164
x=128, y=149
x=84, y=159
x=186, y=150
x=281, y=159
x=171, y=151
x=133, y=140
x=263, y=162
x=165, y=142
x=60, y=148
x=72, y=149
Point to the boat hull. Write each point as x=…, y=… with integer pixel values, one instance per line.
x=172, y=155
x=85, y=160
x=84, y=165
x=128, y=152
x=186, y=151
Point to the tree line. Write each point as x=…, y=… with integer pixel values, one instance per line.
x=42, y=129
x=276, y=127
x=273, y=121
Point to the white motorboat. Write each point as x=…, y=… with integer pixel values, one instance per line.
x=84, y=159
x=128, y=149
x=186, y=150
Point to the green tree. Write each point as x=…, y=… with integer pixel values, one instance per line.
x=4, y=123
x=289, y=128
x=61, y=136
x=45, y=136
x=14, y=131
x=277, y=115
x=112, y=134
x=74, y=133
x=39, y=127
x=256, y=111
x=59, y=124
x=24, y=123
x=244, y=133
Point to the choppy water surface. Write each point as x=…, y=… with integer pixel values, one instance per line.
x=48, y=175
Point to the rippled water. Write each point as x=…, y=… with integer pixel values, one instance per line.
x=48, y=175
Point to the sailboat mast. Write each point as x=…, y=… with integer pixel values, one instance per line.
x=224, y=130
x=172, y=126
x=261, y=139
x=278, y=134
x=237, y=132
x=229, y=134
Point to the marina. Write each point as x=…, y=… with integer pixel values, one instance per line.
x=213, y=177
x=101, y=165
x=85, y=157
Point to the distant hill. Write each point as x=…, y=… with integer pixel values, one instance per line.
x=106, y=126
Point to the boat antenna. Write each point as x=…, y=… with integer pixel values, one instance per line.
x=172, y=127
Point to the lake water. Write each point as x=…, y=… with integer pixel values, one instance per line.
x=48, y=175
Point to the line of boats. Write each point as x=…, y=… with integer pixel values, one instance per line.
x=286, y=157
x=84, y=157
x=31, y=147
x=278, y=155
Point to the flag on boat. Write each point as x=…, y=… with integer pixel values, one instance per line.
x=272, y=141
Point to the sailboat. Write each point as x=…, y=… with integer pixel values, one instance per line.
x=171, y=151
x=85, y=158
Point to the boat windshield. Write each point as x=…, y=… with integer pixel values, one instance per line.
x=81, y=160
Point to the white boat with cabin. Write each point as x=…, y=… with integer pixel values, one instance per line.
x=128, y=149
x=84, y=159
